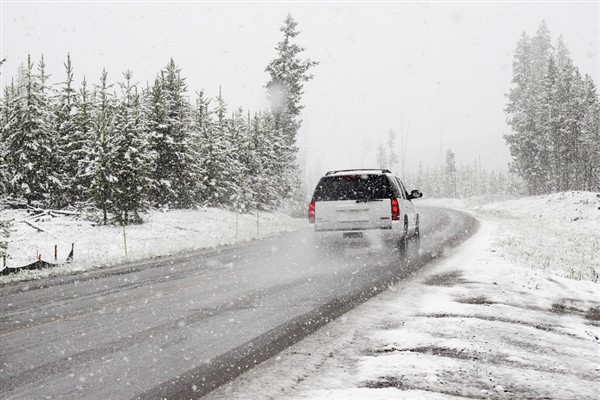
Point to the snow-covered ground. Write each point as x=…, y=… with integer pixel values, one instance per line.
x=499, y=318
x=513, y=313
x=163, y=233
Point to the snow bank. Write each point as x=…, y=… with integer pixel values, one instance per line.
x=163, y=233
x=559, y=233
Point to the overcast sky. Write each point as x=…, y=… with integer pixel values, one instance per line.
x=435, y=72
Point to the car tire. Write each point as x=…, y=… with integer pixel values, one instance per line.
x=403, y=242
x=417, y=235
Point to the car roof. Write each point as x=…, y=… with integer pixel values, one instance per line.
x=358, y=172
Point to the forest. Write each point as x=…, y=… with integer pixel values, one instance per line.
x=120, y=148
x=554, y=114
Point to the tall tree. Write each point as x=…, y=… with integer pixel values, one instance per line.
x=101, y=162
x=8, y=124
x=31, y=143
x=69, y=145
x=83, y=144
x=262, y=161
x=132, y=158
x=548, y=112
x=590, y=136
x=171, y=140
x=216, y=155
x=288, y=73
x=201, y=136
x=450, y=174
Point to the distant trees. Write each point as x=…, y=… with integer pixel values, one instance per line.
x=554, y=115
x=121, y=148
x=387, y=157
x=463, y=181
x=450, y=174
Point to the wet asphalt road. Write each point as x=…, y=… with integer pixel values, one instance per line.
x=178, y=327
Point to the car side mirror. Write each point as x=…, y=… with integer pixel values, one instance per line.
x=415, y=194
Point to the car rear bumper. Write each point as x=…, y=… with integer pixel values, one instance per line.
x=370, y=235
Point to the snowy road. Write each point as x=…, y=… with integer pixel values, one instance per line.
x=177, y=327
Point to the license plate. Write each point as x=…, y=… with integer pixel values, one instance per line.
x=353, y=235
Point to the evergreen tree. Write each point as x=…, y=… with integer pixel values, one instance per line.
x=171, y=141
x=450, y=174
x=262, y=161
x=5, y=121
x=201, y=136
x=31, y=142
x=590, y=136
x=217, y=155
x=243, y=192
x=69, y=145
x=288, y=73
x=549, y=114
x=132, y=160
x=8, y=123
x=101, y=162
x=382, y=158
x=83, y=143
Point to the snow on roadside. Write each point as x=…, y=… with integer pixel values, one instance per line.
x=481, y=323
x=558, y=233
x=163, y=233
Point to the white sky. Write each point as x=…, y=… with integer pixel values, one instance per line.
x=435, y=70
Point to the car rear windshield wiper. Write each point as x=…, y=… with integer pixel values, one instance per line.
x=367, y=200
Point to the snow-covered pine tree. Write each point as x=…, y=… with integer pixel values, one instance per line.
x=590, y=136
x=132, y=159
x=69, y=144
x=155, y=117
x=32, y=143
x=529, y=142
x=243, y=195
x=84, y=140
x=263, y=159
x=573, y=116
x=391, y=148
x=170, y=139
x=200, y=130
x=450, y=175
x=288, y=73
x=8, y=121
x=51, y=158
x=100, y=162
x=217, y=157
x=382, y=159
x=549, y=116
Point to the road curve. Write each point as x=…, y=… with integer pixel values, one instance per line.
x=178, y=327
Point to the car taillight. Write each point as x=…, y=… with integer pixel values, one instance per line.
x=395, y=210
x=311, y=213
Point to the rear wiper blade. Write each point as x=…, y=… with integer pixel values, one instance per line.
x=367, y=200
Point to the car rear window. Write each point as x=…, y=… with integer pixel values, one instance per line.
x=353, y=187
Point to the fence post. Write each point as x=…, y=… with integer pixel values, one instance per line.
x=124, y=238
x=55, y=252
x=257, y=224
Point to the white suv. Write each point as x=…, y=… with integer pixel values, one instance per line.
x=364, y=203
